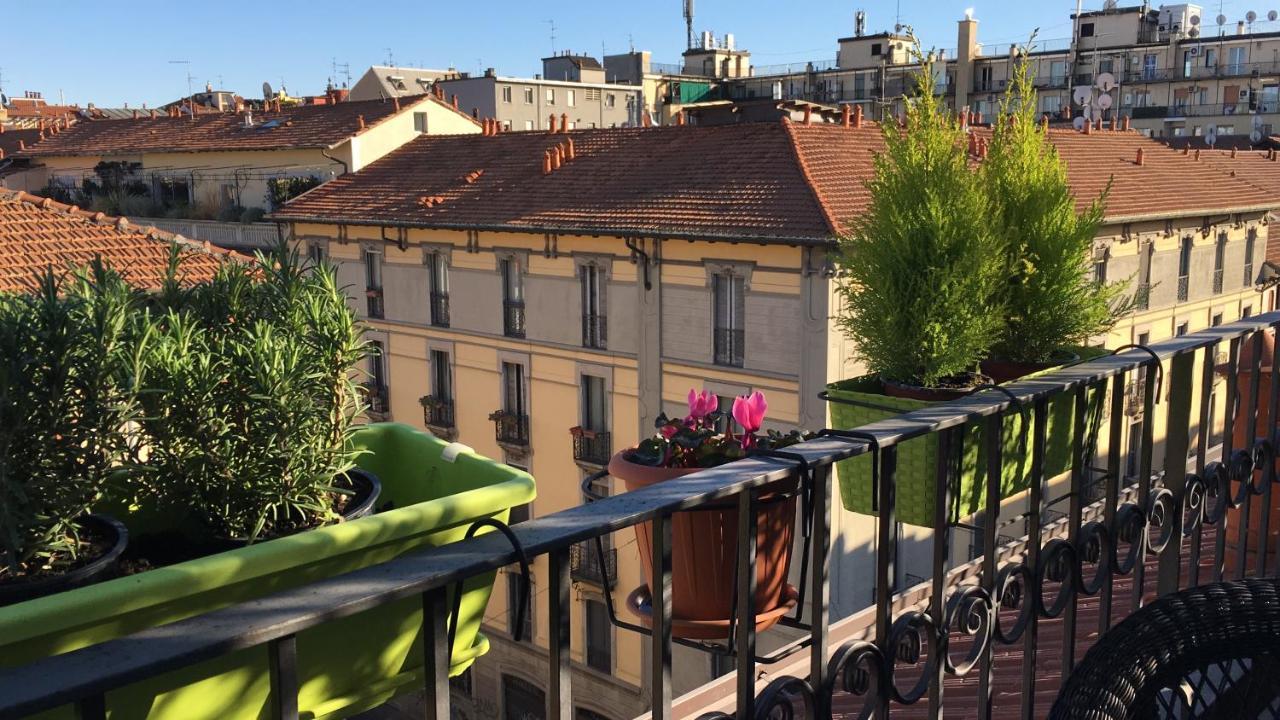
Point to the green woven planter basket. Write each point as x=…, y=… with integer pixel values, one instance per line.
x=917, y=470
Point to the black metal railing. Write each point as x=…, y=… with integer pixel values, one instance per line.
x=1217, y=281
x=440, y=309
x=1167, y=529
x=586, y=565
x=591, y=446
x=513, y=318
x=595, y=331
x=377, y=398
x=1184, y=287
x=510, y=428
x=437, y=412
x=374, y=305
x=1142, y=296
x=728, y=347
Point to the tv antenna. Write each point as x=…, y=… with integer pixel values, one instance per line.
x=187, y=63
x=552, y=23
x=345, y=69
x=391, y=59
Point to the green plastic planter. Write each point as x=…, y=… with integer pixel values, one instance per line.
x=345, y=666
x=917, y=470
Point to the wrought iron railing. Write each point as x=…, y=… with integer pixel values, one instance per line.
x=586, y=565
x=377, y=398
x=1217, y=281
x=513, y=318
x=728, y=348
x=1142, y=296
x=437, y=412
x=510, y=428
x=595, y=331
x=1184, y=287
x=440, y=309
x=1179, y=524
x=591, y=446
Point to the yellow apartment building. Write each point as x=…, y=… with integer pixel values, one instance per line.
x=542, y=297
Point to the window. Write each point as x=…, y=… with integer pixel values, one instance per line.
x=1142, y=294
x=610, y=100
x=1249, y=242
x=571, y=97
x=506, y=93
x=1133, y=457
x=513, y=391
x=984, y=78
x=594, y=325
x=512, y=297
x=1219, y=257
x=373, y=281
x=1210, y=57
x=1051, y=104
x=1100, y=267
x=420, y=122
x=441, y=376
x=1149, y=66
x=599, y=637
x=522, y=700
x=377, y=364
x=528, y=96
x=551, y=96
x=528, y=124
x=438, y=287
x=729, y=303
x=316, y=252
x=1181, y=329
x=1186, y=63
x=1184, y=268
x=1235, y=60
x=1247, y=311
x=1216, y=321
x=595, y=404
x=1086, y=30
x=462, y=683
x=876, y=49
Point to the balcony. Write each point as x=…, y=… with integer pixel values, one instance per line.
x=996, y=636
x=513, y=318
x=440, y=309
x=1142, y=296
x=586, y=565
x=1184, y=288
x=593, y=447
x=511, y=429
x=728, y=348
x=1217, y=281
x=437, y=413
x=376, y=396
x=595, y=331
x=374, y=306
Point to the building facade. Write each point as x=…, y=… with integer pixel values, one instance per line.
x=546, y=315
x=528, y=103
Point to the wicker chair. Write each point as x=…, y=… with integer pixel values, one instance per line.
x=1208, y=652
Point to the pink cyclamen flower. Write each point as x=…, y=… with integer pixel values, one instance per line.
x=749, y=411
x=701, y=404
x=668, y=431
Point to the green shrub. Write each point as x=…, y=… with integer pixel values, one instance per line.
x=68, y=365
x=250, y=398
x=252, y=215
x=1050, y=299
x=919, y=269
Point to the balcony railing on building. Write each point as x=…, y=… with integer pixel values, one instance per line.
x=1142, y=296
x=593, y=447
x=440, y=309
x=728, y=348
x=374, y=304
x=511, y=428
x=995, y=636
x=1184, y=288
x=595, y=331
x=513, y=318
x=585, y=565
x=437, y=412
x=376, y=397
x=1217, y=281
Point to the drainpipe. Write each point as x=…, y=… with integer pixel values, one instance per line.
x=644, y=257
x=327, y=156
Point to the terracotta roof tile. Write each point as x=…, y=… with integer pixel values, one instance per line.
x=1260, y=168
x=753, y=181
x=11, y=141
x=36, y=233
x=305, y=126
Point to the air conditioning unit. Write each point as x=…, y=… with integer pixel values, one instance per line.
x=1195, y=51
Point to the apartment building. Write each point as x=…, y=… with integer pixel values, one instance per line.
x=221, y=159
x=571, y=87
x=542, y=297
x=1176, y=70
x=383, y=82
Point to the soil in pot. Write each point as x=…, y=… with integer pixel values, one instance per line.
x=103, y=540
x=1003, y=371
x=159, y=549
x=947, y=389
x=704, y=548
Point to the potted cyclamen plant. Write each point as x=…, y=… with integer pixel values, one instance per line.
x=704, y=541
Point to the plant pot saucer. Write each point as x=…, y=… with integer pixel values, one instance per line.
x=638, y=602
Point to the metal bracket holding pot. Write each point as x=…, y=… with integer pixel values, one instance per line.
x=522, y=612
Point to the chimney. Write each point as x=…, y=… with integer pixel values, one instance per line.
x=982, y=148
x=973, y=144
x=1197, y=154
x=1, y=153
x=844, y=116
x=680, y=118
x=1115, y=123
x=1124, y=124
x=808, y=114
x=551, y=123
x=455, y=101
x=555, y=158
x=572, y=154
x=857, y=116
x=964, y=119
x=645, y=120
x=1233, y=153
x=439, y=91
x=360, y=119
x=394, y=100
x=22, y=145
x=1140, y=158
x=546, y=162
x=135, y=114
x=564, y=122
x=153, y=113
x=1088, y=127
x=966, y=54
x=1186, y=149
x=1044, y=124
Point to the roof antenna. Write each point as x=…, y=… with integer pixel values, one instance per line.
x=688, y=22
x=552, y=23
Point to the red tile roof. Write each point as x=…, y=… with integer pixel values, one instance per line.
x=754, y=181
x=1260, y=168
x=305, y=126
x=37, y=233
x=37, y=108
x=12, y=141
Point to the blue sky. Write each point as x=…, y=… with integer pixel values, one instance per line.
x=110, y=53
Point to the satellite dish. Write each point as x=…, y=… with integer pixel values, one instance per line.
x=1109, y=5
x=1272, y=15
x=1082, y=95
x=1104, y=102
x=1222, y=20
x=266, y=91
x=1250, y=16
x=1255, y=136
x=1211, y=139
x=1194, y=32
x=1097, y=113
x=1078, y=123
x=1195, y=20
x=1106, y=82
x=1257, y=121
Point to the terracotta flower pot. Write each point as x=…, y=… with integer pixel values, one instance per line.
x=1242, y=437
x=704, y=551
x=1003, y=371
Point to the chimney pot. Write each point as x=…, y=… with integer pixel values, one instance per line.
x=1140, y=158
x=455, y=101
x=1233, y=153
x=360, y=119
x=1125, y=125
x=1, y=153
x=808, y=115
x=546, y=162
x=571, y=154
x=1197, y=154
x=857, y=116
x=645, y=120
x=564, y=122
x=556, y=159
x=680, y=118
x=1115, y=123
x=1044, y=123
x=395, y=100
x=845, y=120
x=1088, y=127
x=973, y=144
x=1186, y=149
x=551, y=123
x=22, y=145
x=135, y=114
